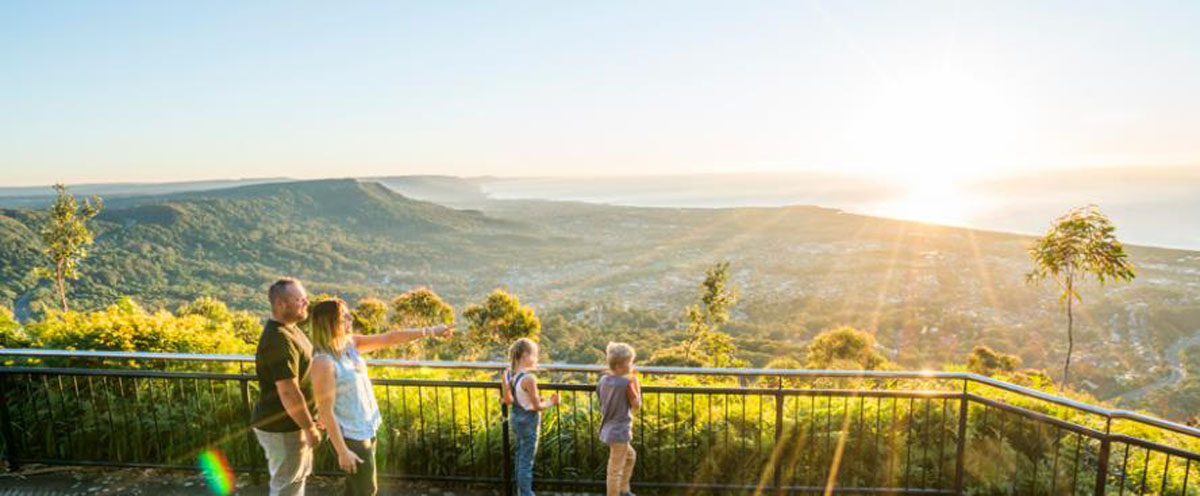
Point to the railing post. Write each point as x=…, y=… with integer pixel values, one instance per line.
x=960, y=456
x=10, y=441
x=1102, y=469
x=777, y=469
x=507, y=448
x=251, y=442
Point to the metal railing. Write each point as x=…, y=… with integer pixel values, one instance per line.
x=730, y=430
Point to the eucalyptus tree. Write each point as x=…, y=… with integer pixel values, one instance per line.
x=1081, y=244
x=65, y=238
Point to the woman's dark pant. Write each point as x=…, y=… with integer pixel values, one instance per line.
x=362, y=481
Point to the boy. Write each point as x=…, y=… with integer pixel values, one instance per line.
x=620, y=396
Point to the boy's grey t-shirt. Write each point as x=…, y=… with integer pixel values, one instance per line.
x=616, y=425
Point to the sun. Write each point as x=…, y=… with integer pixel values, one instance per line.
x=936, y=124
x=934, y=201
x=930, y=132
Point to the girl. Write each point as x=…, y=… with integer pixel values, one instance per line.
x=345, y=400
x=620, y=397
x=521, y=393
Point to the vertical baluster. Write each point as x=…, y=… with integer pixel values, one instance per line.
x=860, y=443
x=578, y=455
x=93, y=413
x=391, y=427
x=1075, y=471
x=675, y=434
x=1187, y=472
x=507, y=451
x=29, y=412
x=777, y=470
x=1124, y=469
x=877, y=447
x=1054, y=464
x=801, y=440
x=695, y=433
x=12, y=452
x=925, y=426
x=407, y=422
x=454, y=428
x=1102, y=463
x=960, y=453
x=908, y=441
x=1145, y=471
x=52, y=431
x=941, y=460
x=471, y=433
x=558, y=441
x=593, y=432
x=131, y=409
x=80, y=426
x=141, y=437
x=1165, y=474
x=154, y=442
x=438, y=435
x=892, y=459
x=1037, y=442
x=827, y=459
x=421, y=420
x=198, y=403
x=1004, y=416
x=123, y=412
x=64, y=413
x=251, y=442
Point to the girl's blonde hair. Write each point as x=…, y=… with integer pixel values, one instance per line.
x=328, y=329
x=518, y=350
x=619, y=354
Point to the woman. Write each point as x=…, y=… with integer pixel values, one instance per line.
x=343, y=389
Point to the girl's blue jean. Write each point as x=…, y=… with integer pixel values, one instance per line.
x=526, y=425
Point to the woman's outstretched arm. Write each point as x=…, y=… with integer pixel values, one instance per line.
x=369, y=343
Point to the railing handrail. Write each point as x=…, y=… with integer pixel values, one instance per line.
x=1112, y=414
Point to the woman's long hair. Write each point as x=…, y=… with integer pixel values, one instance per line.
x=328, y=331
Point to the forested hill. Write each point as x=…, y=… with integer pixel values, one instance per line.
x=341, y=234
x=928, y=294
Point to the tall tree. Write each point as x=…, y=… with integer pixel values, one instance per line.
x=704, y=345
x=1081, y=244
x=65, y=238
x=706, y=317
x=985, y=361
x=420, y=307
x=844, y=348
x=370, y=316
x=500, y=320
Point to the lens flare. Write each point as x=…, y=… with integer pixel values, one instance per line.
x=215, y=468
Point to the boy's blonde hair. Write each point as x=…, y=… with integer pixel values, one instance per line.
x=619, y=354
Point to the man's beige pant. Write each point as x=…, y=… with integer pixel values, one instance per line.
x=621, y=458
x=289, y=460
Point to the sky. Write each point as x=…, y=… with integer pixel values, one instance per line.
x=922, y=91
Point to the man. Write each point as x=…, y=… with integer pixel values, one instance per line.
x=283, y=418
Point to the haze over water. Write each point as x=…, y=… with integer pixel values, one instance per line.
x=1155, y=207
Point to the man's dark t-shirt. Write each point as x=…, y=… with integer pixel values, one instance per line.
x=283, y=352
